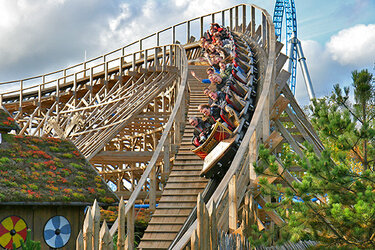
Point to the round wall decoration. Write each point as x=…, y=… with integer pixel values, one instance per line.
x=57, y=232
x=13, y=229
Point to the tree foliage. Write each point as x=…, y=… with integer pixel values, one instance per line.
x=349, y=127
x=334, y=202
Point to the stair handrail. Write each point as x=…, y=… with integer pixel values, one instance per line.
x=183, y=67
x=268, y=39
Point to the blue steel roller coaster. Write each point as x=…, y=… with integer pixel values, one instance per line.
x=293, y=45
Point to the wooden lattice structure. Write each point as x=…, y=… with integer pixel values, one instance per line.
x=115, y=117
x=127, y=113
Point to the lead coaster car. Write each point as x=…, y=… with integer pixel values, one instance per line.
x=218, y=133
x=219, y=159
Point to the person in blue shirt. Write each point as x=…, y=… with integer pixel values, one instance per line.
x=209, y=71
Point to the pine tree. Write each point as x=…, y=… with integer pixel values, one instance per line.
x=349, y=127
x=334, y=203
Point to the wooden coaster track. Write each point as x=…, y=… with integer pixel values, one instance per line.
x=127, y=115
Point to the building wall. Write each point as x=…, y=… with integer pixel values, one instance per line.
x=37, y=216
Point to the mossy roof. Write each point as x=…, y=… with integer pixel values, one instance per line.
x=7, y=123
x=45, y=170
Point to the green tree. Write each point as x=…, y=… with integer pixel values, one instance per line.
x=349, y=127
x=333, y=203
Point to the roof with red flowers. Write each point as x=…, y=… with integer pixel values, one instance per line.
x=7, y=123
x=39, y=170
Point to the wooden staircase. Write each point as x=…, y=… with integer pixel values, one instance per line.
x=184, y=183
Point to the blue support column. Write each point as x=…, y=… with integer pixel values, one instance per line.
x=291, y=42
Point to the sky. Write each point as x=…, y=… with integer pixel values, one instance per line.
x=41, y=36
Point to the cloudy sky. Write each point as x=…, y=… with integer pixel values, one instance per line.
x=40, y=36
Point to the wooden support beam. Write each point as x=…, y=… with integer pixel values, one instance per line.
x=281, y=81
x=301, y=115
x=252, y=156
x=246, y=213
x=129, y=244
x=153, y=189
x=200, y=217
x=289, y=138
x=77, y=119
x=266, y=117
x=254, y=214
x=273, y=140
x=54, y=124
x=278, y=107
x=278, y=47
x=142, y=195
x=280, y=61
x=282, y=171
x=302, y=130
x=288, y=177
x=166, y=167
x=213, y=227
x=232, y=200
x=121, y=225
x=194, y=241
x=125, y=156
x=79, y=241
x=206, y=228
x=271, y=213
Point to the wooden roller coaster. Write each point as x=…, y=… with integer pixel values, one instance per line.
x=126, y=111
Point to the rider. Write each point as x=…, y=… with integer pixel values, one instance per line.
x=202, y=130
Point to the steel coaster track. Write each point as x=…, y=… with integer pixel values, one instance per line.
x=288, y=7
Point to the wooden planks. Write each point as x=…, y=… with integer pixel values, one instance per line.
x=183, y=186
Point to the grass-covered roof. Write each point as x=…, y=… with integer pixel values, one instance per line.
x=34, y=169
x=7, y=123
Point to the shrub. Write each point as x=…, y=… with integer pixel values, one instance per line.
x=4, y=160
x=75, y=165
x=78, y=196
x=54, y=149
x=67, y=155
x=13, y=184
x=101, y=191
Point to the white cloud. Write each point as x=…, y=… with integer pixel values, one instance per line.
x=320, y=69
x=354, y=46
x=145, y=17
x=43, y=36
x=124, y=14
x=324, y=72
x=349, y=49
x=7, y=18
